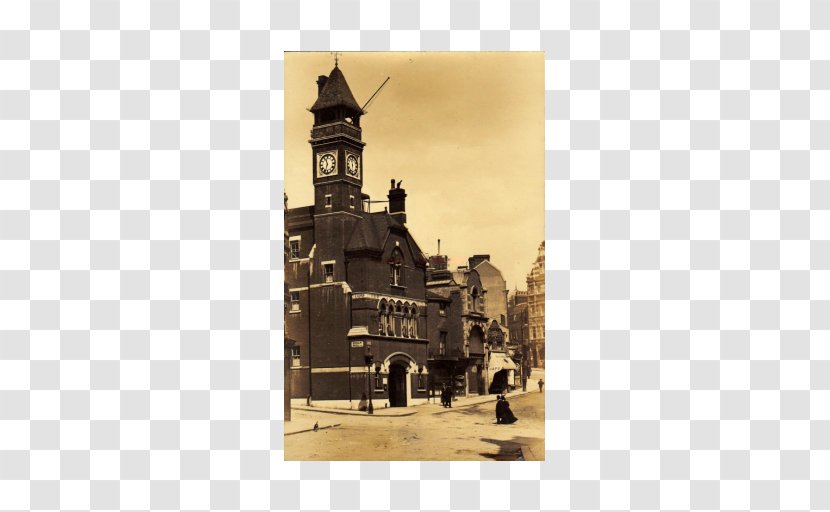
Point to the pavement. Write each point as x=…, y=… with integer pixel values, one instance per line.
x=296, y=427
x=476, y=400
x=409, y=411
x=467, y=431
x=383, y=411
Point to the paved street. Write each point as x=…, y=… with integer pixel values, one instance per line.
x=432, y=433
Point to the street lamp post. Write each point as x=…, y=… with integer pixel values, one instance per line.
x=377, y=376
x=369, y=358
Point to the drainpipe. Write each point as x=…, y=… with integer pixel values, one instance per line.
x=310, y=366
x=348, y=343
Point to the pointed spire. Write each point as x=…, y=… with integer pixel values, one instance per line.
x=335, y=92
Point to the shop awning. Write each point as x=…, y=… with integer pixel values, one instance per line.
x=501, y=363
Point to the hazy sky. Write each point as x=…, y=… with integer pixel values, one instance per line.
x=465, y=133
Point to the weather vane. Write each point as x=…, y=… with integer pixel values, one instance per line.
x=336, y=58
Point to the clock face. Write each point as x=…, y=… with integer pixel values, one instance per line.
x=351, y=165
x=327, y=164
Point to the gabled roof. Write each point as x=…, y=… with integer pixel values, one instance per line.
x=487, y=263
x=363, y=237
x=372, y=231
x=335, y=93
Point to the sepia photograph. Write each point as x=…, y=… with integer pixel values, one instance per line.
x=414, y=255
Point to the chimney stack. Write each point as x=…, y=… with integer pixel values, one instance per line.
x=397, y=202
x=321, y=81
x=478, y=259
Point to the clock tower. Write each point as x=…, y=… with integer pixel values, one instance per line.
x=336, y=147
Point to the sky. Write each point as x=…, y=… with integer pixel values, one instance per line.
x=463, y=130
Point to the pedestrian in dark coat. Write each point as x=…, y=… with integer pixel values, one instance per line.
x=500, y=408
x=507, y=415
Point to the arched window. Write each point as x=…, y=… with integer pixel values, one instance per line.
x=382, y=318
x=474, y=299
x=405, y=322
x=396, y=268
x=413, y=327
x=399, y=320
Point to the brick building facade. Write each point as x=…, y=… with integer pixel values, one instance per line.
x=357, y=297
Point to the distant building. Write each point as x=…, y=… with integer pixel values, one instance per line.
x=468, y=350
x=502, y=349
x=496, y=286
x=536, y=309
x=457, y=329
x=518, y=324
x=356, y=279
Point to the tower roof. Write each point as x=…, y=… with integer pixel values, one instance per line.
x=335, y=93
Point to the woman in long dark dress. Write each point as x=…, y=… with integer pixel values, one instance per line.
x=507, y=415
x=500, y=406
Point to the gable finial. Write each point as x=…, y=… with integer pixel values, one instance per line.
x=336, y=58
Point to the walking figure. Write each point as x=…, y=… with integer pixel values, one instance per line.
x=541, y=385
x=446, y=397
x=504, y=415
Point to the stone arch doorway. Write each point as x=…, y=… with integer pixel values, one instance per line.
x=397, y=384
x=499, y=384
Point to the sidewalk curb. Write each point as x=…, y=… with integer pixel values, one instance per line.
x=488, y=399
x=311, y=429
x=528, y=454
x=347, y=412
x=409, y=411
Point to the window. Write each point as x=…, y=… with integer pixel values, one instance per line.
x=413, y=325
x=378, y=382
x=442, y=344
x=295, y=357
x=421, y=386
x=474, y=302
x=442, y=309
x=396, y=268
x=295, y=301
x=295, y=249
x=328, y=200
x=351, y=201
x=382, y=319
x=328, y=272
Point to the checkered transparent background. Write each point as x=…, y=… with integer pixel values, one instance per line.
x=688, y=243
